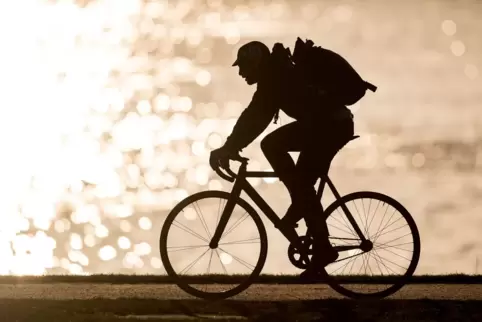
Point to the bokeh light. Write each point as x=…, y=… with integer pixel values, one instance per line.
x=457, y=47
x=449, y=27
x=471, y=71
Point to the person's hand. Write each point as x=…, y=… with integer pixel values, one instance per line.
x=220, y=158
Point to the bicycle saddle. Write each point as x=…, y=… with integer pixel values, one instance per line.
x=354, y=137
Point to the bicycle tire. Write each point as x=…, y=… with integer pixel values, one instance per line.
x=184, y=285
x=416, y=249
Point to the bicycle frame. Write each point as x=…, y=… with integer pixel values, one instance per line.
x=241, y=184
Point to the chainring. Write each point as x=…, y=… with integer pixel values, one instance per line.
x=301, y=258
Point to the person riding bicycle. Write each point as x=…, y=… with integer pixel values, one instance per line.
x=322, y=126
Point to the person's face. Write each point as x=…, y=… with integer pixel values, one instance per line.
x=249, y=70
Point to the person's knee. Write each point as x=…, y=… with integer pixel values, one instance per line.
x=269, y=146
x=304, y=190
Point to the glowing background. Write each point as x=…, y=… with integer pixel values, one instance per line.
x=110, y=109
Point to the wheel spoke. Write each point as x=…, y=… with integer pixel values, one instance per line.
x=236, y=224
x=383, y=246
x=373, y=217
x=194, y=262
x=363, y=265
x=386, y=249
x=239, y=242
x=203, y=221
x=384, y=227
x=345, y=223
x=378, y=264
x=389, y=260
x=395, y=238
x=243, y=262
x=352, y=264
x=219, y=212
x=336, y=227
x=395, y=229
x=210, y=259
x=189, y=230
x=351, y=256
x=358, y=212
x=365, y=215
x=368, y=263
x=352, y=259
x=379, y=257
x=224, y=267
x=383, y=218
x=181, y=248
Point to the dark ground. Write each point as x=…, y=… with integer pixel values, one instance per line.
x=150, y=298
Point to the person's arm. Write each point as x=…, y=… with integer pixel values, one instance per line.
x=251, y=123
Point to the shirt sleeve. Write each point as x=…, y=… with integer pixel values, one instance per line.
x=252, y=122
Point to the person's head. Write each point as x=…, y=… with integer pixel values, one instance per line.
x=250, y=59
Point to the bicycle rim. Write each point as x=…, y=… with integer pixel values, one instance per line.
x=186, y=283
x=366, y=286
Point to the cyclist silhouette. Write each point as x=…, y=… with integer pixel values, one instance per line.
x=322, y=126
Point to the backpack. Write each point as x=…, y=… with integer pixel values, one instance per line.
x=328, y=71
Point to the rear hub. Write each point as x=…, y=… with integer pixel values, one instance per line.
x=366, y=246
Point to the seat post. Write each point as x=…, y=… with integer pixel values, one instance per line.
x=324, y=178
x=321, y=186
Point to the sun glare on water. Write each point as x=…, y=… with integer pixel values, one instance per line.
x=55, y=66
x=78, y=155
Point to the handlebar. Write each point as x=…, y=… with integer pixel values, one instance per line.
x=222, y=175
x=232, y=175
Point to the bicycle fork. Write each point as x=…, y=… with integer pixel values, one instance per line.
x=226, y=215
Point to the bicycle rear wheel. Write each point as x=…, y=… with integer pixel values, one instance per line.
x=393, y=252
x=184, y=243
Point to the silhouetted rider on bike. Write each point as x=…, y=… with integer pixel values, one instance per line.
x=322, y=126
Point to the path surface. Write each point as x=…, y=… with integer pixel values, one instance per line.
x=261, y=302
x=259, y=292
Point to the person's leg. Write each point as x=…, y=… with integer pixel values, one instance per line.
x=313, y=141
x=299, y=179
x=317, y=146
x=313, y=163
x=275, y=147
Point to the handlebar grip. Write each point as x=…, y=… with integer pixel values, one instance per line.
x=231, y=173
x=225, y=177
x=228, y=170
x=239, y=159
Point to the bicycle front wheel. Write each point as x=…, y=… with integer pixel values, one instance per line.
x=384, y=263
x=213, y=273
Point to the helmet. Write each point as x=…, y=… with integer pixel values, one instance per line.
x=254, y=51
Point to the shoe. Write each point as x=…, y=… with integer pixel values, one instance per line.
x=295, y=213
x=291, y=218
x=311, y=276
x=316, y=269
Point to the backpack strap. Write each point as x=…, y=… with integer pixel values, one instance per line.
x=276, y=117
x=371, y=87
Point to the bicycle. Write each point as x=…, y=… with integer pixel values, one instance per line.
x=299, y=250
